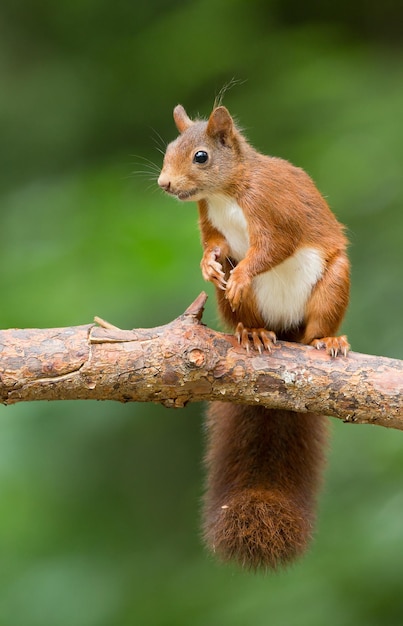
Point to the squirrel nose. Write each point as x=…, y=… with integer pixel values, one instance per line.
x=164, y=182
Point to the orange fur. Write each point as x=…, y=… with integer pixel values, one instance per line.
x=264, y=466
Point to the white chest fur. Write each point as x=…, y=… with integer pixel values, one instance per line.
x=227, y=216
x=282, y=292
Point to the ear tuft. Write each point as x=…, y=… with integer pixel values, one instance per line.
x=221, y=124
x=182, y=120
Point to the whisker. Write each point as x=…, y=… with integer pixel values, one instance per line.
x=148, y=175
x=279, y=277
x=158, y=140
x=146, y=168
x=146, y=160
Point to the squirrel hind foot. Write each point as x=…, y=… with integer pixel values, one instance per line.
x=334, y=346
x=258, y=530
x=259, y=338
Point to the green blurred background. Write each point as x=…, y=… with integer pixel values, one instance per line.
x=99, y=503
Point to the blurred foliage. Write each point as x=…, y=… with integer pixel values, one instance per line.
x=99, y=503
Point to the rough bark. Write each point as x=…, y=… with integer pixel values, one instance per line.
x=184, y=361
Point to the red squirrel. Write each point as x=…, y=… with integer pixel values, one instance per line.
x=277, y=257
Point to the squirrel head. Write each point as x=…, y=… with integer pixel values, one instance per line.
x=204, y=160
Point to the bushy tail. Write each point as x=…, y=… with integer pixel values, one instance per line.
x=264, y=471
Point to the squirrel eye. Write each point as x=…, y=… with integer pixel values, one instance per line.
x=200, y=157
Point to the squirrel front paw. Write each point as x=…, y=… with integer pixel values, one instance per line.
x=237, y=287
x=211, y=268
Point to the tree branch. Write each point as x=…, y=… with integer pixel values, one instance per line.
x=184, y=361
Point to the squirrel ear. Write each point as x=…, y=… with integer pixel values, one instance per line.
x=220, y=124
x=182, y=120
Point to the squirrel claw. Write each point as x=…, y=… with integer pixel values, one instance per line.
x=212, y=270
x=334, y=346
x=260, y=338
